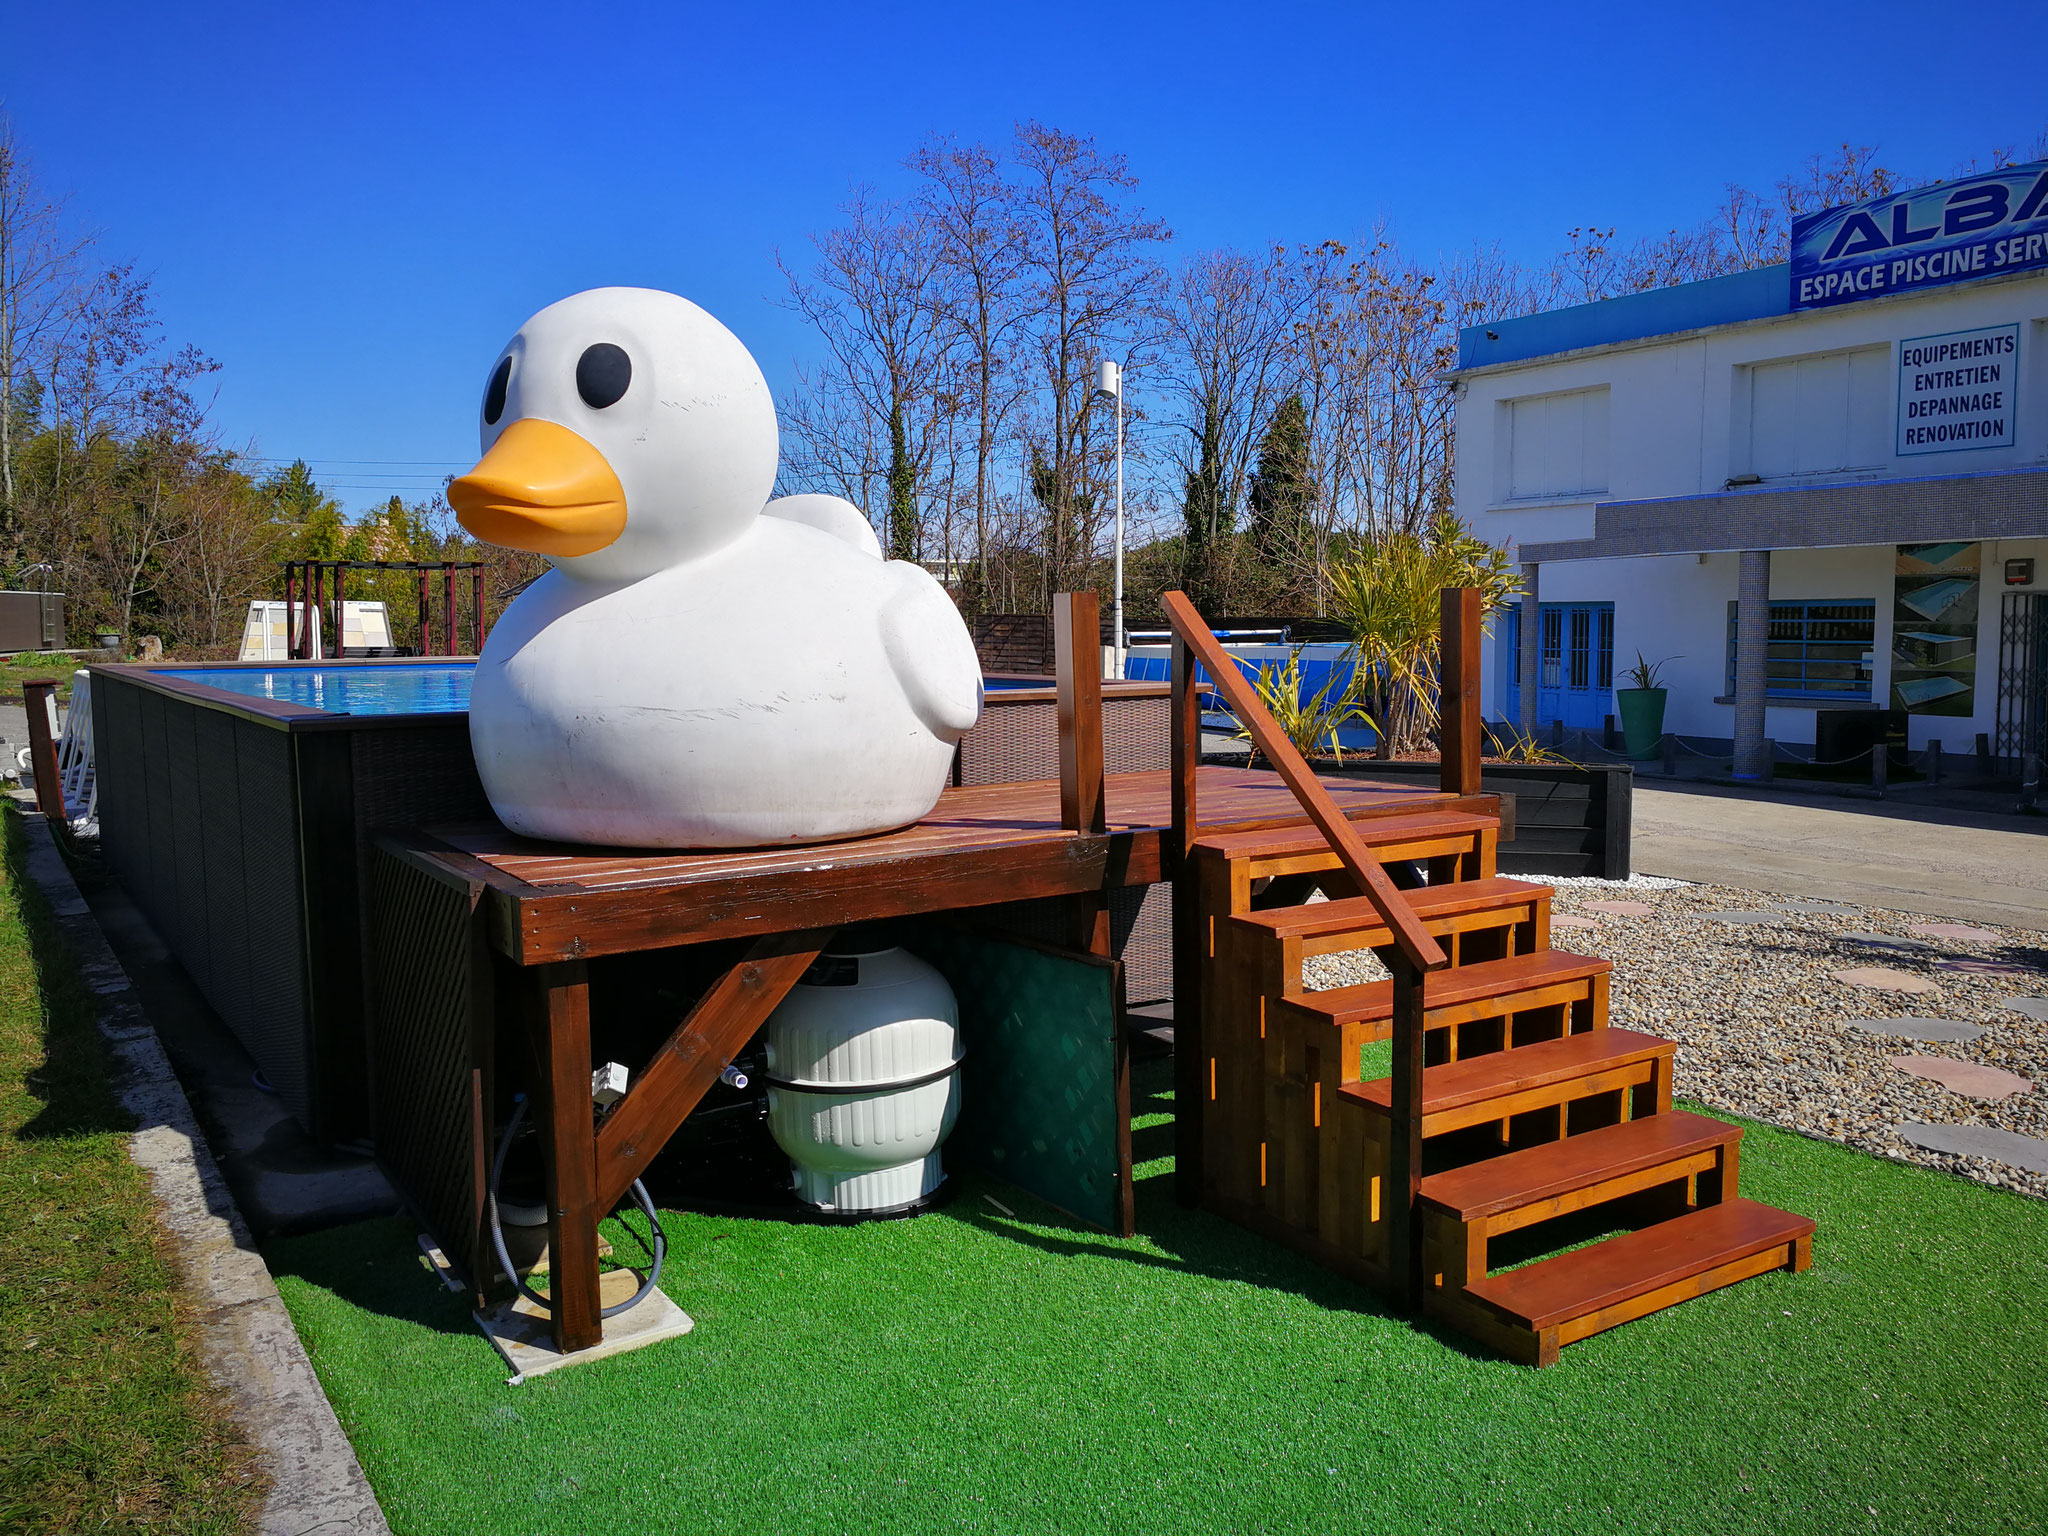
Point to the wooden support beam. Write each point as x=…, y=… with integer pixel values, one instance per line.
x=556, y=1009
x=1458, y=690
x=42, y=746
x=701, y=1047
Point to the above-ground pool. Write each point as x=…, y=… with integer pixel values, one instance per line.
x=425, y=688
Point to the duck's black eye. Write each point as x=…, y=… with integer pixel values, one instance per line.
x=602, y=374
x=494, y=397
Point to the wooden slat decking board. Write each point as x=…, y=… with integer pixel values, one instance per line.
x=981, y=844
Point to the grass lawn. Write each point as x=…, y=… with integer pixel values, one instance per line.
x=16, y=670
x=972, y=1370
x=106, y=1423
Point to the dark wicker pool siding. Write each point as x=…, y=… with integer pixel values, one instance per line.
x=241, y=827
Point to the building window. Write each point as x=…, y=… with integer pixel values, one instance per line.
x=1819, y=650
x=1817, y=415
x=1557, y=444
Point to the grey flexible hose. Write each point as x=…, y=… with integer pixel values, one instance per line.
x=640, y=1198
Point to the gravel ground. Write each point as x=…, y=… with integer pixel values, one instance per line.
x=1763, y=1030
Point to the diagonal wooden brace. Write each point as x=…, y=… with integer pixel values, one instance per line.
x=690, y=1060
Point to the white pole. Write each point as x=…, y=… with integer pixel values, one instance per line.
x=1117, y=608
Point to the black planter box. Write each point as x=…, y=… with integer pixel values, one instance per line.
x=1569, y=820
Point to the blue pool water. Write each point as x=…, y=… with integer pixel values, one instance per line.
x=430, y=688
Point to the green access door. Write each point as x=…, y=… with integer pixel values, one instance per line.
x=1045, y=1090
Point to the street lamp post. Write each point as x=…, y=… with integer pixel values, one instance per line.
x=1109, y=382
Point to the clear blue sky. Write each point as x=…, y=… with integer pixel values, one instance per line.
x=353, y=209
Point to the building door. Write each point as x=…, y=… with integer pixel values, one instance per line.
x=2022, y=723
x=1575, y=664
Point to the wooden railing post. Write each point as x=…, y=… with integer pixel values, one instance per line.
x=1404, y=1154
x=1190, y=1056
x=1412, y=938
x=1077, y=663
x=42, y=746
x=1458, y=690
x=1077, y=659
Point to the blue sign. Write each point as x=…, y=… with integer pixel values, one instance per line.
x=1947, y=233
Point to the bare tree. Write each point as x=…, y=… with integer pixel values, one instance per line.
x=40, y=271
x=1227, y=327
x=869, y=296
x=1093, y=283
x=971, y=208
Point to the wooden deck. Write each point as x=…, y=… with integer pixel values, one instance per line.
x=982, y=844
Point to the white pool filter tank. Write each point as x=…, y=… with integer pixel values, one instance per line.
x=863, y=1075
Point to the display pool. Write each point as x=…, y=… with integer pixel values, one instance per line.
x=438, y=688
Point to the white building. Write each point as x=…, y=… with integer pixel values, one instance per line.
x=1848, y=455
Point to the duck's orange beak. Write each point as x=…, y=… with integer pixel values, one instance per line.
x=542, y=488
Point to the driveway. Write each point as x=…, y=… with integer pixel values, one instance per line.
x=1892, y=854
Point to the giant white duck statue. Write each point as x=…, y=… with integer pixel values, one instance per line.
x=699, y=669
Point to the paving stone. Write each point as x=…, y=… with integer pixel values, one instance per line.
x=1971, y=1078
x=2032, y=1007
x=1817, y=908
x=2028, y=1152
x=1985, y=967
x=1744, y=917
x=1884, y=941
x=1883, y=978
x=1620, y=908
x=1566, y=920
x=1960, y=931
x=1913, y=1028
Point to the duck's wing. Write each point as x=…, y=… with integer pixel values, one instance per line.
x=930, y=651
x=828, y=514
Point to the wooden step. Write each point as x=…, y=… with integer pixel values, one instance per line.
x=1559, y=1300
x=1301, y=849
x=1551, y=1179
x=1353, y=922
x=1550, y=1073
x=1488, y=989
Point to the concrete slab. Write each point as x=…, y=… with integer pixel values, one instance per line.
x=1818, y=908
x=519, y=1329
x=2028, y=1152
x=1620, y=908
x=1948, y=863
x=1567, y=920
x=1970, y=1078
x=1987, y=967
x=1961, y=932
x=1883, y=979
x=1884, y=941
x=1910, y=1028
x=2032, y=1007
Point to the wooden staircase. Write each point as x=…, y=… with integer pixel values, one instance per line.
x=1513, y=1106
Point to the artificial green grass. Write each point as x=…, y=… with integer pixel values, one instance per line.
x=106, y=1421
x=976, y=1370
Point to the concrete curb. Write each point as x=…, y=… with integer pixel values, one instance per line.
x=246, y=1336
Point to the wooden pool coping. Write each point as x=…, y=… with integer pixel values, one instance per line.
x=163, y=677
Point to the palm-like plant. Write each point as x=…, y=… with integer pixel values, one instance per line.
x=1312, y=725
x=1389, y=594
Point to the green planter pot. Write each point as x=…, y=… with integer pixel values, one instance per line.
x=1642, y=720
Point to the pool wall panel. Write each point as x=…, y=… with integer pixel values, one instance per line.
x=204, y=821
x=1016, y=741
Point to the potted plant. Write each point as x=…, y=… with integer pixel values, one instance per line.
x=1641, y=708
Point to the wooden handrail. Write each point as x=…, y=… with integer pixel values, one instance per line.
x=1410, y=937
